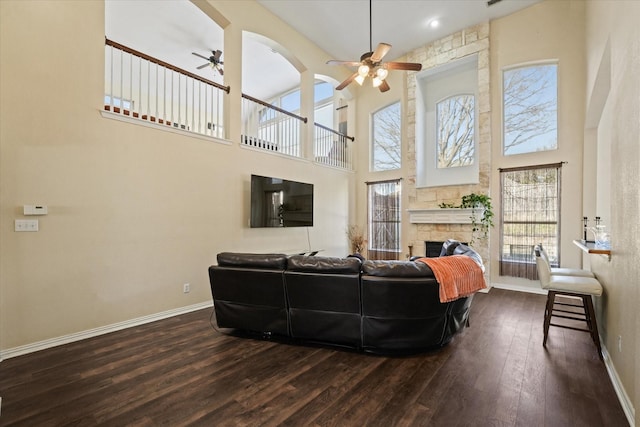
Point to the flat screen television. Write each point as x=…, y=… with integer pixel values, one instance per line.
x=277, y=202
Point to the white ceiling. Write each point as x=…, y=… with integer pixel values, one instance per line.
x=341, y=27
x=171, y=29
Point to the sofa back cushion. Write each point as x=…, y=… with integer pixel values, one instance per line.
x=396, y=269
x=258, y=261
x=320, y=264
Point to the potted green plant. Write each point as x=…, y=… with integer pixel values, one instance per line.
x=481, y=213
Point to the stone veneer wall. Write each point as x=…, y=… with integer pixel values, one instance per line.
x=472, y=40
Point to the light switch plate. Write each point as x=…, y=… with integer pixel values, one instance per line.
x=26, y=225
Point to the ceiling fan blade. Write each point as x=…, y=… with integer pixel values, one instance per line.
x=381, y=50
x=411, y=66
x=347, y=81
x=220, y=71
x=384, y=86
x=204, y=65
x=347, y=63
x=200, y=56
x=216, y=55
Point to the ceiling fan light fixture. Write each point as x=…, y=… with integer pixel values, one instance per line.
x=371, y=65
x=382, y=73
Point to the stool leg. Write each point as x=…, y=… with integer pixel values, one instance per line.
x=551, y=296
x=591, y=321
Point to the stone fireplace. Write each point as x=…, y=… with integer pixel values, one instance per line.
x=427, y=222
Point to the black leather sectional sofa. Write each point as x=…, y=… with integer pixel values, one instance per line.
x=373, y=306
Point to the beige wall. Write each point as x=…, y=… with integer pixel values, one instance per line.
x=613, y=44
x=134, y=212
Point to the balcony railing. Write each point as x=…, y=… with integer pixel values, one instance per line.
x=332, y=148
x=145, y=88
x=270, y=128
x=140, y=86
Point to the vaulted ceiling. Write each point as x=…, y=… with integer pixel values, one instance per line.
x=171, y=30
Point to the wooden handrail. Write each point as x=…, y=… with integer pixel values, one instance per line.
x=335, y=131
x=273, y=107
x=165, y=64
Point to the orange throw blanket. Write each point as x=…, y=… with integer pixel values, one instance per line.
x=458, y=275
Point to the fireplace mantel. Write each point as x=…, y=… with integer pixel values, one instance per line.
x=442, y=216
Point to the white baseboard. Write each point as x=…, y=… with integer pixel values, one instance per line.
x=623, y=397
x=66, y=339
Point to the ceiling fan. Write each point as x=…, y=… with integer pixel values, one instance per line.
x=214, y=61
x=371, y=65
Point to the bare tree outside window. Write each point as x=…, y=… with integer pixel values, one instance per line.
x=530, y=109
x=455, y=125
x=386, y=145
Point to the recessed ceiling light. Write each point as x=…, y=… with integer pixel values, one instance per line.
x=434, y=23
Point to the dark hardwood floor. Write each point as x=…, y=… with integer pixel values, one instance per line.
x=180, y=371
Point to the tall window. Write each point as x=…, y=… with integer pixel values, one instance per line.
x=386, y=153
x=384, y=220
x=530, y=109
x=530, y=215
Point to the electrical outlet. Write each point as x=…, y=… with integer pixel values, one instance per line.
x=186, y=288
x=620, y=343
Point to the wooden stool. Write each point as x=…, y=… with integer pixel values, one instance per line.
x=580, y=287
x=559, y=309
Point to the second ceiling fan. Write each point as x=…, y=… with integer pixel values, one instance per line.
x=214, y=61
x=371, y=65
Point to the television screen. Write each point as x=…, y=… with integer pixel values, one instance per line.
x=279, y=202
